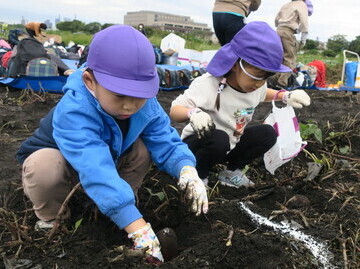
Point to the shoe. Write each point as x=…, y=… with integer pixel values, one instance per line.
x=234, y=179
x=42, y=225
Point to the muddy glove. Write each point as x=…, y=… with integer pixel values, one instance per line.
x=296, y=98
x=195, y=190
x=201, y=122
x=146, y=238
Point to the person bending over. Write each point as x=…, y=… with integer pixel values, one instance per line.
x=106, y=130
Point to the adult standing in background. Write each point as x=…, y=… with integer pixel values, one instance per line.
x=290, y=20
x=229, y=15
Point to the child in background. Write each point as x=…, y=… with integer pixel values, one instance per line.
x=106, y=129
x=221, y=103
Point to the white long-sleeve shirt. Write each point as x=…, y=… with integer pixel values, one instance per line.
x=236, y=108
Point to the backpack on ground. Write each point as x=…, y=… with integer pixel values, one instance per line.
x=27, y=49
x=41, y=67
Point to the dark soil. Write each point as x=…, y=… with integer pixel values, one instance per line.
x=328, y=209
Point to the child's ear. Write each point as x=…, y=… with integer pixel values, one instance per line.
x=89, y=80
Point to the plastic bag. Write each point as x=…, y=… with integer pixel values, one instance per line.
x=289, y=143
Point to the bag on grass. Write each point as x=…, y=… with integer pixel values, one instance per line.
x=289, y=143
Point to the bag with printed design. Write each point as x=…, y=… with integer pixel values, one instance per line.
x=289, y=142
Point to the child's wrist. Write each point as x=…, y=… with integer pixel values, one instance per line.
x=192, y=111
x=285, y=97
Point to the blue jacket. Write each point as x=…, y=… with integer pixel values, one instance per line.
x=91, y=141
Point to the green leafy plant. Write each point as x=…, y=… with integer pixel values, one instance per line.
x=77, y=225
x=160, y=195
x=311, y=130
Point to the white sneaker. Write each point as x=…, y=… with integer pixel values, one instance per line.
x=42, y=225
x=234, y=179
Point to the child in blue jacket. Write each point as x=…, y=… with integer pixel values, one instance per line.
x=106, y=129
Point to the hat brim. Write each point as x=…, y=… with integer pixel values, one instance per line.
x=222, y=62
x=282, y=68
x=225, y=58
x=134, y=88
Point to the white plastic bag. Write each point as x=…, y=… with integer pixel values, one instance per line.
x=289, y=143
x=172, y=43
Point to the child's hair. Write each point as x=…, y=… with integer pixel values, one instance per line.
x=123, y=61
x=43, y=26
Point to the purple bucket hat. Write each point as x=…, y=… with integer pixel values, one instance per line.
x=123, y=61
x=256, y=43
x=310, y=7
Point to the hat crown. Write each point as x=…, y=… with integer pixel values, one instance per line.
x=259, y=45
x=256, y=43
x=123, y=52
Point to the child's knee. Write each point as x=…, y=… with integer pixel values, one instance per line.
x=221, y=143
x=43, y=170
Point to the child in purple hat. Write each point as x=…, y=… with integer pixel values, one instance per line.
x=221, y=103
x=105, y=130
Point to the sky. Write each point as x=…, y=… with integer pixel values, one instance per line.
x=330, y=17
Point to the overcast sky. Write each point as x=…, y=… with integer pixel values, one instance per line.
x=330, y=17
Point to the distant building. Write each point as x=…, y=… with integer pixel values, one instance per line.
x=57, y=20
x=48, y=24
x=23, y=21
x=165, y=21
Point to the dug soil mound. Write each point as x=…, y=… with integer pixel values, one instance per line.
x=299, y=218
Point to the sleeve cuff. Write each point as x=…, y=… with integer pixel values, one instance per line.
x=126, y=215
x=181, y=164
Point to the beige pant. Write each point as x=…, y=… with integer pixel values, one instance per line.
x=290, y=46
x=48, y=178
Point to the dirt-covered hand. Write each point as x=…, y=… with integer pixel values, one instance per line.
x=195, y=190
x=296, y=98
x=201, y=122
x=146, y=238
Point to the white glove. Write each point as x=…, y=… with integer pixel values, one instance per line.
x=146, y=238
x=303, y=39
x=302, y=43
x=195, y=190
x=201, y=122
x=296, y=98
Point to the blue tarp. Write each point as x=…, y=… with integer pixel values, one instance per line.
x=56, y=83
x=47, y=84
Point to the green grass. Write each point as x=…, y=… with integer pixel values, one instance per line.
x=78, y=38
